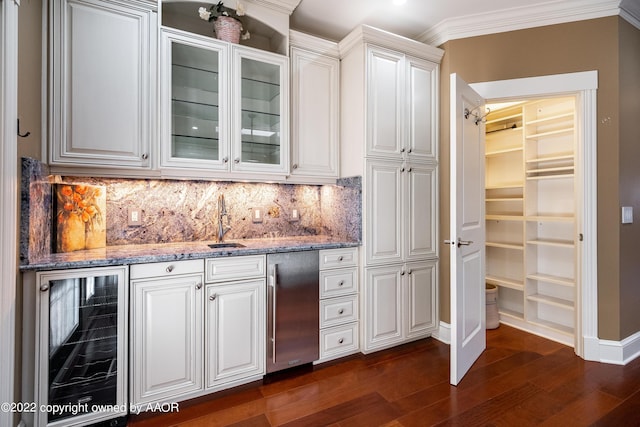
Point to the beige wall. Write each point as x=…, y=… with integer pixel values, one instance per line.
x=629, y=105
x=580, y=46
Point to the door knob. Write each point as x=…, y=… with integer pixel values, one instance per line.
x=464, y=242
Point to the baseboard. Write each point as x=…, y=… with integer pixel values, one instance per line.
x=614, y=352
x=443, y=333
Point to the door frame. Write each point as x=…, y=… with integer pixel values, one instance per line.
x=583, y=85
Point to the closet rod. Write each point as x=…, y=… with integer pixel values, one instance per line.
x=513, y=126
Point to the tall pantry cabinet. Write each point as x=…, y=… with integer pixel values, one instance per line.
x=389, y=137
x=531, y=215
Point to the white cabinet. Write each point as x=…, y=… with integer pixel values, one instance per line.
x=400, y=303
x=532, y=216
x=401, y=105
x=235, y=321
x=224, y=108
x=401, y=211
x=315, y=99
x=339, y=306
x=389, y=120
x=102, y=82
x=166, y=349
x=190, y=338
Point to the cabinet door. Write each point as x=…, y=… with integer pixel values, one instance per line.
x=421, y=298
x=421, y=89
x=383, y=221
x=103, y=83
x=383, y=307
x=315, y=83
x=385, y=97
x=421, y=237
x=167, y=337
x=260, y=130
x=193, y=102
x=235, y=331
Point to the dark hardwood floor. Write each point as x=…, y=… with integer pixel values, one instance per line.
x=520, y=380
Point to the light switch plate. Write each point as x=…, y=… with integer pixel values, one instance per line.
x=134, y=217
x=627, y=214
x=295, y=215
x=257, y=215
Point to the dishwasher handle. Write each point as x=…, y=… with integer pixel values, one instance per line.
x=272, y=284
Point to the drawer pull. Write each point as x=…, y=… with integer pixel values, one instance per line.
x=341, y=340
x=170, y=268
x=341, y=311
x=341, y=283
x=340, y=258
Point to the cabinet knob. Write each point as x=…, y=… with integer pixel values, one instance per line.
x=199, y=286
x=402, y=150
x=341, y=283
x=225, y=159
x=236, y=160
x=145, y=156
x=341, y=311
x=213, y=297
x=340, y=258
x=341, y=340
x=295, y=166
x=409, y=170
x=410, y=271
x=409, y=151
x=402, y=273
x=401, y=169
x=44, y=287
x=169, y=268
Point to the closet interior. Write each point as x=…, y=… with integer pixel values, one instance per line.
x=531, y=214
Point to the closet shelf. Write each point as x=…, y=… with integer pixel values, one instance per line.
x=552, y=325
x=511, y=313
x=503, y=151
x=547, y=278
x=505, y=282
x=504, y=186
x=552, y=242
x=550, y=133
x=505, y=245
x=549, y=300
x=552, y=170
x=551, y=119
x=504, y=199
x=555, y=158
x=509, y=118
x=550, y=176
x=551, y=218
x=505, y=217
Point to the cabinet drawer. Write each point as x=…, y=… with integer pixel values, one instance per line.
x=165, y=269
x=338, y=341
x=337, y=311
x=337, y=258
x=338, y=282
x=234, y=268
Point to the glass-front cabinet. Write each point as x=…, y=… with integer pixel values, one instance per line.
x=224, y=107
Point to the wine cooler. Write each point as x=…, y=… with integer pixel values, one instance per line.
x=81, y=346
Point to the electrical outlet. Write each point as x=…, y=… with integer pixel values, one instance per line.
x=627, y=214
x=295, y=215
x=134, y=217
x=257, y=214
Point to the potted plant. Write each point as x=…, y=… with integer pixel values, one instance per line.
x=227, y=22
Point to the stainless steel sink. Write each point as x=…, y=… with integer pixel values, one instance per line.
x=226, y=245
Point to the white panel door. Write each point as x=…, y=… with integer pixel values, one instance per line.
x=421, y=109
x=467, y=234
x=235, y=332
x=167, y=337
x=383, y=306
x=384, y=205
x=422, y=213
x=422, y=298
x=385, y=99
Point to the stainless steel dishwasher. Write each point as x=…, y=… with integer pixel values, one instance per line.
x=292, y=309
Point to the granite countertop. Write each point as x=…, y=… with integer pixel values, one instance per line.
x=139, y=254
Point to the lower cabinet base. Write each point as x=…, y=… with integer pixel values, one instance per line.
x=338, y=341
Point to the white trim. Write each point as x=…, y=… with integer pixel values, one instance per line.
x=8, y=200
x=630, y=12
x=443, y=334
x=615, y=352
x=585, y=85
x=518, y=18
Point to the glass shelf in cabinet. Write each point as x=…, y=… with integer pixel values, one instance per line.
x=190, y=147
x=184, y=76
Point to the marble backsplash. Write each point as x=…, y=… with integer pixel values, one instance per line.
x=183, y=211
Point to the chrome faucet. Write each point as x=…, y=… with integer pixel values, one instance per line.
x=222, y=212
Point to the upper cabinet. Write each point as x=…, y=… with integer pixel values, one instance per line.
x=224, y=107
x=315, y=108
x=102, y=80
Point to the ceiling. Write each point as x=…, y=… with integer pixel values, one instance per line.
x=334, y=19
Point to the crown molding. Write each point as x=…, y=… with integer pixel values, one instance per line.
x=286, y=6
x=518, y=18
x=316, y=44
x=367, y=34
x=630, y=11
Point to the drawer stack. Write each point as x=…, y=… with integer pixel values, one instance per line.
x=338, y=303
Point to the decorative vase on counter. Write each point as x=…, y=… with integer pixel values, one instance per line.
x=80, y=222
x=227, y=29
